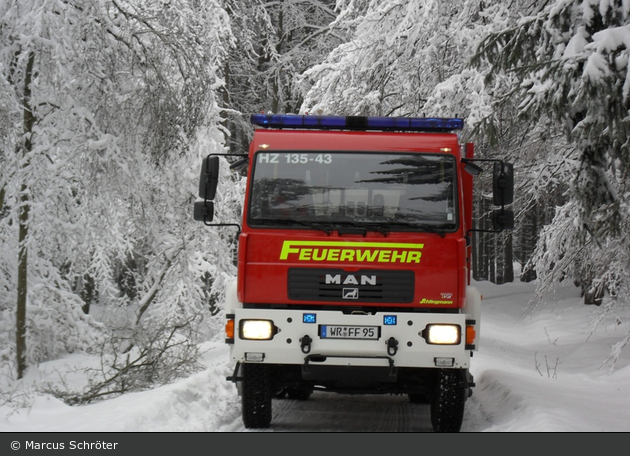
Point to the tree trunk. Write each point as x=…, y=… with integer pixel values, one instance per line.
x=508, y=274
x=22, y=280
x=2, y=193
x=275, y=105
x=499, y=259
x=492, y=259
x=484, y=244
x=476, y=240
x=529, y=237
x=475, y=255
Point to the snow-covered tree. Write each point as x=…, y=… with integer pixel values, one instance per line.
x=571, y=61
x=399, y=51
x=107, y=107
x=275, y=42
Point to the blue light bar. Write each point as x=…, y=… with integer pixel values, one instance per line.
x=435, y=124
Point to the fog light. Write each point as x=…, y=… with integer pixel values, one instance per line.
x=254, y=357
x=442, y=334
x=257, y=329
x=444, y=362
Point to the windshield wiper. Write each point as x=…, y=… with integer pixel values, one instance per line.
x=359, y=227
x=325, y=227
x=385, y=227
x=350, y=227
x=427, y=228
x=382, y=228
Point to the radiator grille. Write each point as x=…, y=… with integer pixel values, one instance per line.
x=367, y=285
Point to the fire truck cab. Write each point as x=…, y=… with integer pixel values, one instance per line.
x=354, y=261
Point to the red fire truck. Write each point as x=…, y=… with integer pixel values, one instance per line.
x=354, y=261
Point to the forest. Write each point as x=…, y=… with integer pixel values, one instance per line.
x=107, y=108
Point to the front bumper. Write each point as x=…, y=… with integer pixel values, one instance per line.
x=298, y=340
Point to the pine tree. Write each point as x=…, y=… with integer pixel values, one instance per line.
x=571, y=61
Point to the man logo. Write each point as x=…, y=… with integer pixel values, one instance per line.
x=350, y=293
x=350, y=280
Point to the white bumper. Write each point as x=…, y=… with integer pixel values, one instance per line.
x=399, y=345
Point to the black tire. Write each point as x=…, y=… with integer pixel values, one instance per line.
x=449, y=398
x=256, y=396
x=415, y=398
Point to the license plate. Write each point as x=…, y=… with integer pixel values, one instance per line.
x=349, y=332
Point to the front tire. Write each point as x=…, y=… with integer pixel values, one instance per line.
x=256, y=396
x=447, y=403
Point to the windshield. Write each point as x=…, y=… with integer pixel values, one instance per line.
x=406, y=191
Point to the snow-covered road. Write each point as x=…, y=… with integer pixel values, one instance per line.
x=332, y=412
x=536, y=371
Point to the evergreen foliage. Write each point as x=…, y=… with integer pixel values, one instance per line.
x=570, y=60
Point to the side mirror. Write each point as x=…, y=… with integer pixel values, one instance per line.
x=502, y=219
x=209, y=177
x=203, y=211
x=503, y=184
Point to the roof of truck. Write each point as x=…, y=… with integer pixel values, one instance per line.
x=353, y=140
x=293, y=132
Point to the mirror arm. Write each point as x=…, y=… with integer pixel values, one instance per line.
x=489, y=160
x=244, y=159
x=239, y=164
x=236, y=225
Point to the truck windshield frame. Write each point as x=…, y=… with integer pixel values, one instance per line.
x=327, y=189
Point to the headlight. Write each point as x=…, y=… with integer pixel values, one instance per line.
x=443, y=334
x=257, y=329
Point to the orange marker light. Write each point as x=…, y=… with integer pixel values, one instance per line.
x=229, y=329
x=470, y=335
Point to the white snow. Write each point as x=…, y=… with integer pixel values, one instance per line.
x=540, y=368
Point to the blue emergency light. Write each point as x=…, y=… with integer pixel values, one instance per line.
x=390, y=320
x=434, y=124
